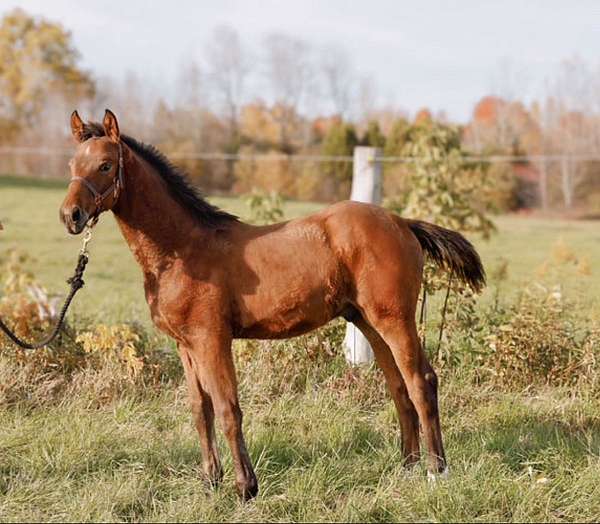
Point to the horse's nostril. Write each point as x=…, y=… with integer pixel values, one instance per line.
x=75, y=215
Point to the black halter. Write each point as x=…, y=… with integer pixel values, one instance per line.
x=115, y=188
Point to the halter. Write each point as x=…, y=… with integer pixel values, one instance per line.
x=115, y=188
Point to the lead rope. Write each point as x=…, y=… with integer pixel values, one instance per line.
x=76, y=282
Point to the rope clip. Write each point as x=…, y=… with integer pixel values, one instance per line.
x=87, y=237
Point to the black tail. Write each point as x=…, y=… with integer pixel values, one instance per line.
x=450, y=250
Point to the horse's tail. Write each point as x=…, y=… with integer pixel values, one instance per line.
x=450, y=250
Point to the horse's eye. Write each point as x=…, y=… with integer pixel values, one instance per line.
x=105, y=168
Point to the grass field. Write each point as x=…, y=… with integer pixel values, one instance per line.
x=321, y=453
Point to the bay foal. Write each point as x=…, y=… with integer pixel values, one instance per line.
x=209, y=278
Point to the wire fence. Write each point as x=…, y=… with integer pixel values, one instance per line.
x=274, y=157
x=554, y=182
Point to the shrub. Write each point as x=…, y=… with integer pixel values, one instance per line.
x=536, y=340
x=25, y=304
x=104, y=360
x=265, y=208
x=340, y=140
x=444, y=190
x=540, y=342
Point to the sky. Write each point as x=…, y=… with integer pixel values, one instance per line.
x=435, y=54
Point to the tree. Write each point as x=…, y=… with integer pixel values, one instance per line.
x=423, y=117
x=37, y=61
x=338, y=79
x=366, y=99
x=394, y=173
x=373, y=136
x=396, y=139
x=573, y=96
x=444, y=189
x=569, y=125
x=501, y=126
x=339, y=141
x=228, y=70
x=190, y=84
x=290, y=73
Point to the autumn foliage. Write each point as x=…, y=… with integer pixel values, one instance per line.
x=247, y=119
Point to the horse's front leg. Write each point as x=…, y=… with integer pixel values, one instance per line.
x=210, y=350
x=204, y=418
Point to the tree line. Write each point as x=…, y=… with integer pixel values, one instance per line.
x=292, y=98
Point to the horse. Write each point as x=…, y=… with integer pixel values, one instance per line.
x=209, y=278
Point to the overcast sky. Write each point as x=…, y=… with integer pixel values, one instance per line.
x=443, y=55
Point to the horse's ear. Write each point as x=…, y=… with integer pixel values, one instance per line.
x=78, y=127
x=111, y=127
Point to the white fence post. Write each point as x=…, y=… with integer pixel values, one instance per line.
x=366, y=187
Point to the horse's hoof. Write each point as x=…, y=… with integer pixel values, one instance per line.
x=432, y=478
x=247, y=490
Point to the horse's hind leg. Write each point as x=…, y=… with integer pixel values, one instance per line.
x=421, y=381
x=204, y=420
x=409, y=419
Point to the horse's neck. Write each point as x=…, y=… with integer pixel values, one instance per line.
x=154, y=225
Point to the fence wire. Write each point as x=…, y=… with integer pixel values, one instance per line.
x=549, y=181
x=277, y=157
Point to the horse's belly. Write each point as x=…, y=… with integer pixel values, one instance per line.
x=270, y=330
x=280, y=327
x=285, y=316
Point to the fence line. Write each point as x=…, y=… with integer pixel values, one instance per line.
x=64, y=152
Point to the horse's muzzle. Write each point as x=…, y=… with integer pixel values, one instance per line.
x=74, y=218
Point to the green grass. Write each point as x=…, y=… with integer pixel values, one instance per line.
x=526, y=243
x=513, y=457
x=319, y=456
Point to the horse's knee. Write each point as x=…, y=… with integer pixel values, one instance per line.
x=231, y=417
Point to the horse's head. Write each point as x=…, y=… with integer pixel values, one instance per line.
x=96, y=173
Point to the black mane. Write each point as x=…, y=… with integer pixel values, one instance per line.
x=179, y=185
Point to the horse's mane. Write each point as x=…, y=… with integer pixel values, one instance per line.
x=177, y=181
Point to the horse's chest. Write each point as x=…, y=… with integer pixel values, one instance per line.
x=156, y=312
x=164, y=303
